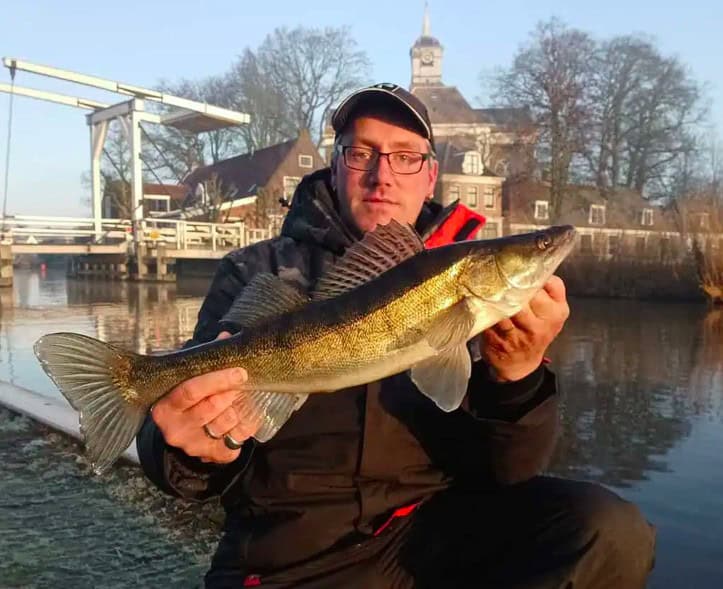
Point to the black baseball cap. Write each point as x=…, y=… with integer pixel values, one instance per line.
x=395, y=95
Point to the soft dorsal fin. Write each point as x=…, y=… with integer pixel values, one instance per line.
x=265, y=296
x=378, y=251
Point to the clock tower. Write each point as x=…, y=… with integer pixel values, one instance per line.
x=426, y=55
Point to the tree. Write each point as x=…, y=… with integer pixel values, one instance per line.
x=115, y=172
x=648, y=111
x=172, y=153
x=213, y=194
x=252, y=92
x=295, y=78
x=550, y=76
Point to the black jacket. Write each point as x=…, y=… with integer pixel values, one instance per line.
x=345, y=461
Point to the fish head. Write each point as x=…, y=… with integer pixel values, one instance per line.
x=516, y=266
x=529, y=260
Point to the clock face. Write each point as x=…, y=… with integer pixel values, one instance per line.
x=427, y=57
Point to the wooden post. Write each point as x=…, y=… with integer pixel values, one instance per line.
x=6, y=265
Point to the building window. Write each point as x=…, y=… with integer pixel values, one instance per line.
x=613, y=245
x=306, y=161
x=597, y=215
x=542, y=210
x=290, y=184
x=489, y=197
x=585, y=243
x=502, y=168
x=472, y=163
x=489, y=230
x=472, y=197
x=453, y=193
x=646, y=217
x=640, y=246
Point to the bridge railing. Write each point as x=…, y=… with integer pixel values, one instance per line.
x=35, y=229
x=178, y=234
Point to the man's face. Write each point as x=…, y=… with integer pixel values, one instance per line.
x=379, y=195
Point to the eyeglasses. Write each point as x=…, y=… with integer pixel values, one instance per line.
x=364, y=159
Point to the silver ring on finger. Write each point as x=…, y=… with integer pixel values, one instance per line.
x=210, y=433
x=231, y=442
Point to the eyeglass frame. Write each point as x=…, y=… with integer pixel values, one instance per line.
x=341, y=149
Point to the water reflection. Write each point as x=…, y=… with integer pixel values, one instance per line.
x=145, y=318
x=634, y=376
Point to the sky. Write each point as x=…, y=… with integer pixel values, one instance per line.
x=142, y=42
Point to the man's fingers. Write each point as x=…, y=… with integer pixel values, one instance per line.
x=526, y=320
x=555, y=287
x=504, y=326
x=224, y=422
x=242, y=431
x=194, y=390
x=209, y=408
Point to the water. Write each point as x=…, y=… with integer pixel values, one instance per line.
x=642, y=388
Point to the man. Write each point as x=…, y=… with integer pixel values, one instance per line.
x=374, y=486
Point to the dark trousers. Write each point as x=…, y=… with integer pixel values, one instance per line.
x=543, y=534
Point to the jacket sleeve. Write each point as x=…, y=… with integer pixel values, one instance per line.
x=513, y=427
x=169, y=468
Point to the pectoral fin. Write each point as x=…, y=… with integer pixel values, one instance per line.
x=451, y=327
x=443, y=378
x=266, y=412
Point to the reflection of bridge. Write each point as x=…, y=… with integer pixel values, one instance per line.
x=159, y=243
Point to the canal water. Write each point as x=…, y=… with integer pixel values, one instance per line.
x=641, y=382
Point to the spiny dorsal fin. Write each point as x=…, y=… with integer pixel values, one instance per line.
x=378, y=251
x=265, y=296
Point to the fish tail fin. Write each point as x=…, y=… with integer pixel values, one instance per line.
x=95, y=379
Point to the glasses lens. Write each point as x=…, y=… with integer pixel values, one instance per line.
x=359, y=158
x=406, y=162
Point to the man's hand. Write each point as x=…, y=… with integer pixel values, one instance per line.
x=203, y=401
x=514, y=347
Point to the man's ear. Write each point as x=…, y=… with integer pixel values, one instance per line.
x=433, y=173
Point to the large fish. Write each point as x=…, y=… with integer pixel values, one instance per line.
x=387, y=306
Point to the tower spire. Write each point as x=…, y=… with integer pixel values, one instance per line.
x=426, y=29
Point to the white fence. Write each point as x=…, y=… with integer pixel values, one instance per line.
x=175, y=234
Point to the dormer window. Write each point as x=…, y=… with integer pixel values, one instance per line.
x=597, y=215
x=542, y=210
x=646, y=217
x=472, y=163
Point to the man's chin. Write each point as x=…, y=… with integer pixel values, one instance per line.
x=370, y=222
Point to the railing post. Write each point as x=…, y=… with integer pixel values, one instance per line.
x=213, y=237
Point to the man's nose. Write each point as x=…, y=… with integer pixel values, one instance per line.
x=382, y=171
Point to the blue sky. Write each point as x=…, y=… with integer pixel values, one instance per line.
x=142, y=42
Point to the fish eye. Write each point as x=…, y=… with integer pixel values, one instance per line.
x=544, y=241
